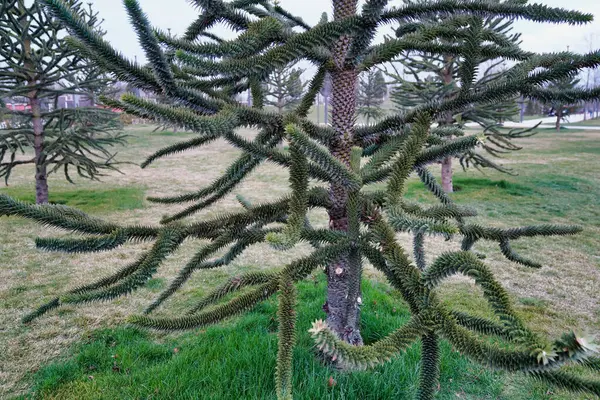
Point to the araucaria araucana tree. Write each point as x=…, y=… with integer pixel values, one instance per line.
x=560, y=107
x=37, y=65
x=284, y=88
x=331, y=168
x=436, y=76
x=371, y=93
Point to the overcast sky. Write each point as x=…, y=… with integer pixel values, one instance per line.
x=177, y=14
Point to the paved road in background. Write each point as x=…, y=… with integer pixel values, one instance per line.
x=549, y=122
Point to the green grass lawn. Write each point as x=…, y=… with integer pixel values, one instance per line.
x=90, y=200
x=87, y=352
x=529, y=117
x=588, y=122
x=236, y=361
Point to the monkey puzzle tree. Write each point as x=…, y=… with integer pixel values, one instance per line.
x=434, y=76
x=559, y=108
x=371, y=92
x=341, y=163
x=284, y=87
x=37, y=65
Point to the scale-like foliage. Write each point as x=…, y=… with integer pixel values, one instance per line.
x=200, y=85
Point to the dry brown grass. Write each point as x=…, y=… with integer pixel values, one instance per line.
x=567, y=288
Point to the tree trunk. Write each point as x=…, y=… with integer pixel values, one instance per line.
x=41, y=175
x=447, y=77
x=447, y=175
x=343, y=276
x=318, y=109
x=558, y=118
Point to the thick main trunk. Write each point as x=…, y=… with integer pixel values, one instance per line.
x=41, y=175
x=343, y=276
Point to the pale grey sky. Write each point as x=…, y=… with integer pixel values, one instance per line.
x=177, y=14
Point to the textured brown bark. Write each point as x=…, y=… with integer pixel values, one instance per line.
x=447, y=175
x=447, y=76
x=343, y=276
x=559, y=113
x=41, y=175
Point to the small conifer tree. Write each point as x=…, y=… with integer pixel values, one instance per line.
x=434, y=76
x=37, y=65
x=371, y=92
x=284, y=88
x=560, y=107
x=341, y=163
x=326, y=86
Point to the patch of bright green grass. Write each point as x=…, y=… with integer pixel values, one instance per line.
x=88, y=200
x=532, y=302
x=469, y=185
x=155, y=284
x=237, y=361
x=170, y=133
x=561, y=183
x=468, y=188
x=589, y=122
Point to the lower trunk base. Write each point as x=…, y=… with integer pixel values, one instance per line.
x=343, y=303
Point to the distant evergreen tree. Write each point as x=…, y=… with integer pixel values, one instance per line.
x=358, y=175
x=560, y=107
x=326, y=93
x=432, y=76
x=284, y=88
x=530, y=108
x=37, y=65
x=326, y=87
x=89, y=79
x=372, y=89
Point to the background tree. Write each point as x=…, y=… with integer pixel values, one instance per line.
x=37, y=65
x=326, y=87
x=560, y=107
x=284, y=88
x=363, y=218
x=596, y=102
x=326, y=94
x=532, y=108
x=426, y=76
x=89, y=79
x=372, y=89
